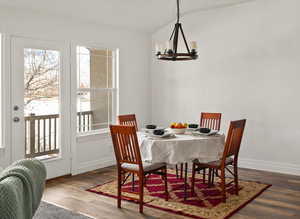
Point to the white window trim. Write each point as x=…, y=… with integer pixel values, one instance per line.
x=74, y=89
x=5, y=92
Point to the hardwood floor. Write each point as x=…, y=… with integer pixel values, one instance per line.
x=282, y=200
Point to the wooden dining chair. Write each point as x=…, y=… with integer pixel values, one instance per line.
x=211, y=120
x=129, y=119
x=207, y=120
x=129, y=160
x=229, y=157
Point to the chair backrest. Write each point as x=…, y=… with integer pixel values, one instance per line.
x=128, y=120
x=126, y=144
x=211, y=120
x=234, y=139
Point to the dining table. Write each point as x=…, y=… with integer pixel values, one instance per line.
x=180, y=148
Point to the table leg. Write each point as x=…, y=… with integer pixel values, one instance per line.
x=185, y=180
x=176, y=170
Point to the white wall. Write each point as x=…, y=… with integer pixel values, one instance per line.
x=93, y=151
x=249, y=67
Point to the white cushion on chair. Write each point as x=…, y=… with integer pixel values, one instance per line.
x=147, y=166
x=216, y=162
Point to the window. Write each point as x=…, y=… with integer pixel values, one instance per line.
x=96, y=88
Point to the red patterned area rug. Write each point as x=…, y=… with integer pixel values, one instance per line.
x=205, y=204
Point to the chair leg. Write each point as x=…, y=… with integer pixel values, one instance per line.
x=223, y=184
x=176, y=167
x=236, y=181
x=145, y=180
x=193, y=180
x=209, y=177
x=181, y=170
x=141, y=191
x=166, y=184
x=213, y=177
x=217, y=173
x=204, y=174
x=185, y=180
x=119, y=188
x=132, y=184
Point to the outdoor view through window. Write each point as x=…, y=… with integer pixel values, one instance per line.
x=96, y=88
x=41, y=101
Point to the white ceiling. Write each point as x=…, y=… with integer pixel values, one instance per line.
x=143, y=15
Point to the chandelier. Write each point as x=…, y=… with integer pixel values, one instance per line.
x=169, y=52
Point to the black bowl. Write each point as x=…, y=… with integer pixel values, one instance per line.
x=204, y=130
x=151, y=126
x=193, y=126
x=159, y=132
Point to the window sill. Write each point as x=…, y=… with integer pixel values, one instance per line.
x=93, y=136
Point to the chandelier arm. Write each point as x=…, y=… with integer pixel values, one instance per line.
x=175, y=40
x=185, y=42
x=173, y=33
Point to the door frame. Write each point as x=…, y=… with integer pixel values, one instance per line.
x=54, y=166
x=5, y=146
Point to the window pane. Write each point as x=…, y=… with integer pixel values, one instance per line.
x=41, y=81
x=94, y=110
x=41, y=102
x=95, y=68
x=95, y=73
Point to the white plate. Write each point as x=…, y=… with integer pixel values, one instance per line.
x=212, y=132
x=165, y=135
x=191, y=129
x=150, y=131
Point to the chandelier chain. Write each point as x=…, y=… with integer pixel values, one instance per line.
x=178, y=12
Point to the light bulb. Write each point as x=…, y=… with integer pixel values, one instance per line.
x=194, y=45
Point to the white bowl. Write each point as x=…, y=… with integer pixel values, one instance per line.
x=178, y=131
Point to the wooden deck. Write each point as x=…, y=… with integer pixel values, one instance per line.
x=280, y=201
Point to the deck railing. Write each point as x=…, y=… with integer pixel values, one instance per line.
x=41, y=132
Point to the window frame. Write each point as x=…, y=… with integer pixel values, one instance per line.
x=114, y=90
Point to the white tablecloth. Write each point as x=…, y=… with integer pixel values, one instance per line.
x=183, y=148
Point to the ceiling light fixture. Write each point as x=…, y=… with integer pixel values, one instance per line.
x=169, y=52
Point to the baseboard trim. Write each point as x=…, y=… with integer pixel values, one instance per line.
x=93, y=165
x=277, y=167
x=270, y=166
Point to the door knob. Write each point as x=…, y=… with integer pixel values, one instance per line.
x=16, y=108
x=16, y=119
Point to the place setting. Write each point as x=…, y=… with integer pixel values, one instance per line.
x=153, y=131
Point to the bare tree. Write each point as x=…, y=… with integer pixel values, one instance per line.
x=41, y=74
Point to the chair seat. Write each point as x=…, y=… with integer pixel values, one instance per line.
x=147, y=166
x=229, y=160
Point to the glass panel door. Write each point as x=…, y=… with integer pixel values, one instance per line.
x=40, y=98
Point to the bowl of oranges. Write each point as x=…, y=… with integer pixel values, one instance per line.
x=178, y=128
